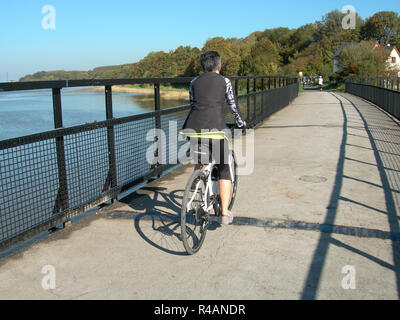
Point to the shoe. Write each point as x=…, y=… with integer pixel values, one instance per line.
x=227, y=219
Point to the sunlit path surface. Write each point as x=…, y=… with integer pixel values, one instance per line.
x=317, y=219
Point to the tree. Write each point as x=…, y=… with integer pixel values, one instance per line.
x=243, y=47
x=314, y=45
x=162, y=64
x=280, y=37
x=230, y=58
x=364, y=60
x=330, y=24
x=181, y=59
x=155, y=64
x=383, y=26
x=264, y=58
x=282, y=40
x=303, y=37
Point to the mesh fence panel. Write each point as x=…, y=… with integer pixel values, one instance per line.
x=170, y=126
x=28, y=188
x=130, y=149
x=61, y=173
x=87, y=165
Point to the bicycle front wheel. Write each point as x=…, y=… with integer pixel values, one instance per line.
x=194, y=217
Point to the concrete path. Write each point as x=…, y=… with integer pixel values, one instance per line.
x=317, y=219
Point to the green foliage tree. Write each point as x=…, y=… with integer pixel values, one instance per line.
x=384, y=27
x=230, y=58
x=331, y=34
x=282, y=40
x=155, y=64
x=167, y=65
x=302, y=37
x=315, y=44
x=263, y=58
x=181, y=58
x=364, y=59
x=280, y=37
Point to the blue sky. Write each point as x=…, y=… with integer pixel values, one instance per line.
x=98, y=33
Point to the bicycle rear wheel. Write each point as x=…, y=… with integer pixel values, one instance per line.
x=194, y=217
x=234, y=174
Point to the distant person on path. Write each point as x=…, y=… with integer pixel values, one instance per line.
x=320, y=82
x=208, y=94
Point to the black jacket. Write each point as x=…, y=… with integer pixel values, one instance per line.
x=208, y=94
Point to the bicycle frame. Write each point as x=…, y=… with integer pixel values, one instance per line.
x=207, y=169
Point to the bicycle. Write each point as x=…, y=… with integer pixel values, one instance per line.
x=201, y=198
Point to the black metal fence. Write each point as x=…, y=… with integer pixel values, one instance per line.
x=384, y=92
x=48, y=178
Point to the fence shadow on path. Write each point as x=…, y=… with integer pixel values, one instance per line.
x=162, y=209
x=389, y=187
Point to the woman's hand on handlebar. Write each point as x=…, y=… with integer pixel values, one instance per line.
x=243, y=126
x=235, y=126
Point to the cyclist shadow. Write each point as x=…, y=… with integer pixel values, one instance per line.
x=157, y=218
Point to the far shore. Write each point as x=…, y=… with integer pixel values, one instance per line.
x=167, y=94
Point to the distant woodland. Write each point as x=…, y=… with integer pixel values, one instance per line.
x=279, y=51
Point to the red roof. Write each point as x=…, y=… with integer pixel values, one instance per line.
x=389, y=47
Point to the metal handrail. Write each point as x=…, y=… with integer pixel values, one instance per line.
x=45, y=167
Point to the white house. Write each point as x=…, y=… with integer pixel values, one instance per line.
x=394, y=58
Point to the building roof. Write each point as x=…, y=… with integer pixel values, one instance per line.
x=390, y=48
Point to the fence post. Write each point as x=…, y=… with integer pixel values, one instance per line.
x=61, y=202
x=112, y=173
x=236, y=87
x=255, y=101
x=157, y=108
x=262, y=97
x=248, y=100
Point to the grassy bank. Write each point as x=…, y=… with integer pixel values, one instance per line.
x=331, y=86
x=165, y=91
x=327, y=86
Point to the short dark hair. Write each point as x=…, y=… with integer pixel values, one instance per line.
x=210, y=61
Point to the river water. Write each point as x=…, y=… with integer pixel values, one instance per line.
x=26, y=112
x=29, y=174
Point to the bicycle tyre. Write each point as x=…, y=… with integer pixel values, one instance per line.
x=235, y=181
x=194, y=218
